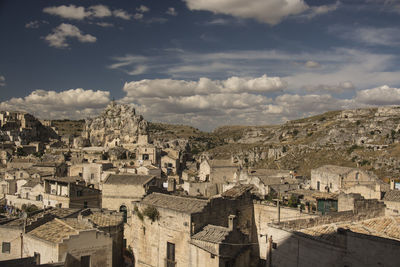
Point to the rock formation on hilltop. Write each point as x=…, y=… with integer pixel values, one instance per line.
x=118, y=124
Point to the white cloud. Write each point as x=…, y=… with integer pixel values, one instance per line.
x=320, y=10
x=312, y=64
x=64, y=31
x=104, y=24
x=100, y=11
x=171, y=11
x=74, y=103
x=32, y=25
x=383, y=95
x=67, y=12
x=138, y=16
x=119, y=13
x=81, y=13
x=370, y=35
x=143, y=9
x=164, y=88
x=271, y=11
x=2, y=80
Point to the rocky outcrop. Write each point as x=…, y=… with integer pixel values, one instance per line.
x=117, y=125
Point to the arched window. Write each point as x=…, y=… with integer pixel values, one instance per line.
x=124, y=210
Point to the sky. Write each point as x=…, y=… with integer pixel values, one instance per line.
x=204, y=63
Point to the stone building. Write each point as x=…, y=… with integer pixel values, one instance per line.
x=266, y=181
x=67, y=236
x=70, y=192
x=11, y=230
x=162, y=228
x=358, y=235
x=148, y=155
x=392, y=202
x=330, y=178
x=170, y=163
x=95, y=173
x=119, y=190
x=357, y=243
x=30, y=193
x=220, y=246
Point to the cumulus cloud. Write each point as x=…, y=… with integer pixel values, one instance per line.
x=2, y=80
x=171, y=11
x=164, y=88
x=65, y=31
x=271, y=11
x=100, y=11
x=73, y=103
x=67, y=12
x=383, y=95
x=81, y=13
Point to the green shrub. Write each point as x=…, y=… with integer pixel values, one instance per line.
x=152, y=213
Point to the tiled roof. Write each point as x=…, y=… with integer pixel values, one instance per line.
x=132, y=179
x=32, y=183
x=55, y=212
x=392, y=195
x=57, y=230
x=212, y=233
x=102, y=219
x=385, y=227
x=335, y=169
x=237, y=191
x=177, y=203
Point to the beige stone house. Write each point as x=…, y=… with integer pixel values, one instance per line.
x=12, y=229
x=70, y=192
x=162, y=227
x=330, y=178
x=220, y=246
x=68, y=236
x=55, y=239
x=148, y=155
x=30, y=193
x=119, y=190
x=392, y=202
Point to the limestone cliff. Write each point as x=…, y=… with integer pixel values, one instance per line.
x=118, y=124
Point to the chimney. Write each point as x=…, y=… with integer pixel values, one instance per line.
x=391, y=184
x=232, y=223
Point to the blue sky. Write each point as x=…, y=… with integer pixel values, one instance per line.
x=205, y=63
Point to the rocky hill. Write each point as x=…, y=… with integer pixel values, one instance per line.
x=117, y=123
x=368, y=138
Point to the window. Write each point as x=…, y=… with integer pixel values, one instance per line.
x=85, y=261
x=145, y=157
x=357, y=175
x=91, y=176
x=318, y=185
x=124, y=210
x=85, y=205
x=330, y=185
x=79, y=193
x=6, y=247
x=170, y=255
